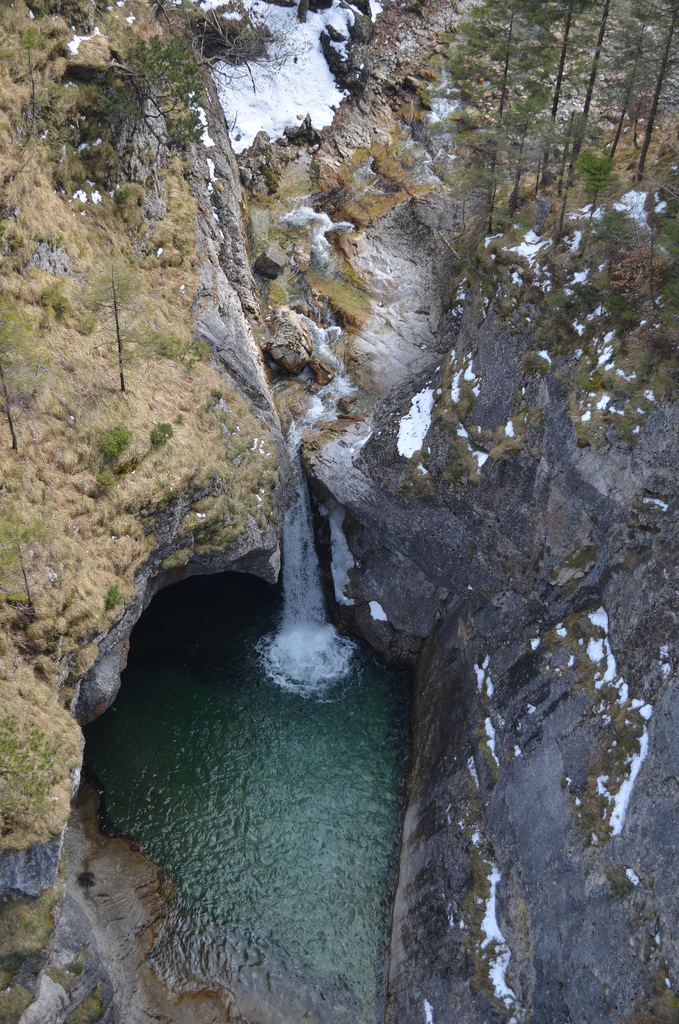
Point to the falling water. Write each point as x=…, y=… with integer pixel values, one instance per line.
x=306, y=654
x=318, y=225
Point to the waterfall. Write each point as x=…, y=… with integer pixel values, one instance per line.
x=318, y=225
x=306, y=654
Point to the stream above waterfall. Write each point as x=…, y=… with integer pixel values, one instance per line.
x=274, y=812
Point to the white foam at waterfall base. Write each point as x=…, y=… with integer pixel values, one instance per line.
x=306, y=654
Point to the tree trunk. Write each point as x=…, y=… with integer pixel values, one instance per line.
x=656, y=96
x=8, y=409
x=514, y=197
x=651, y=282
x=557, y=84
x=562, y=60
x=577, y=142
x=566, y=151
x=118, y=334
x=505, y=72
x=630, y=87
x=23, y=573
x=302, y=10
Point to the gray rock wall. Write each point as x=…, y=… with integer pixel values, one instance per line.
x=546, y=690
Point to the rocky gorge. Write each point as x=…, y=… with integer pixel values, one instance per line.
x=476, y=525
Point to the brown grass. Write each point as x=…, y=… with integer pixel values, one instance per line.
x=85, y=537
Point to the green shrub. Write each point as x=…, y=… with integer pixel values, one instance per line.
x=161, y=434
x=114, y=441
x=105, y=480
x=113, y=598
x=533, y=362
x=52, y=298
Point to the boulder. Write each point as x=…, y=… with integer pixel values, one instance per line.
x=271, y=262
x=290, y=345
x=303, y=134
x=53, y=259
x=321, y=371
x=345, y=403
x=302, y=255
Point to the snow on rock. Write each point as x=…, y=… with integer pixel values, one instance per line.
x=490, y=736
x=482, y=677
x=471, y=767
x=656, y=501
x=622, y=798
x=414, y=425
x=377, y=611
x=205, y=137
x=296, y=82
x=498, y=967
x=428, y=1012
x=77, y=40
x=341, y=558
x=509, y=428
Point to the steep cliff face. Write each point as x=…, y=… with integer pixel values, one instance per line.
x=544, y=576
x=225, y=297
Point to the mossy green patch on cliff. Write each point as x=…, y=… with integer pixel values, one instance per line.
x=25, y=927
x=88, y=1010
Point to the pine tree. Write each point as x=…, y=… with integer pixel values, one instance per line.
x=670, y=17
x=114, y=297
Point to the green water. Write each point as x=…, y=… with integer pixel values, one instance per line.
x=275, y=815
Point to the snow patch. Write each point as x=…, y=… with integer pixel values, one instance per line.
x=377, y=611
x=414, y=425
x=530, y=247
x=296, y=82
x=498, y=967
x=632, y=203
x=490, y=735
x=622, y=798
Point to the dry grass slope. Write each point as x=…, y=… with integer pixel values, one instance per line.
x=77, y=523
